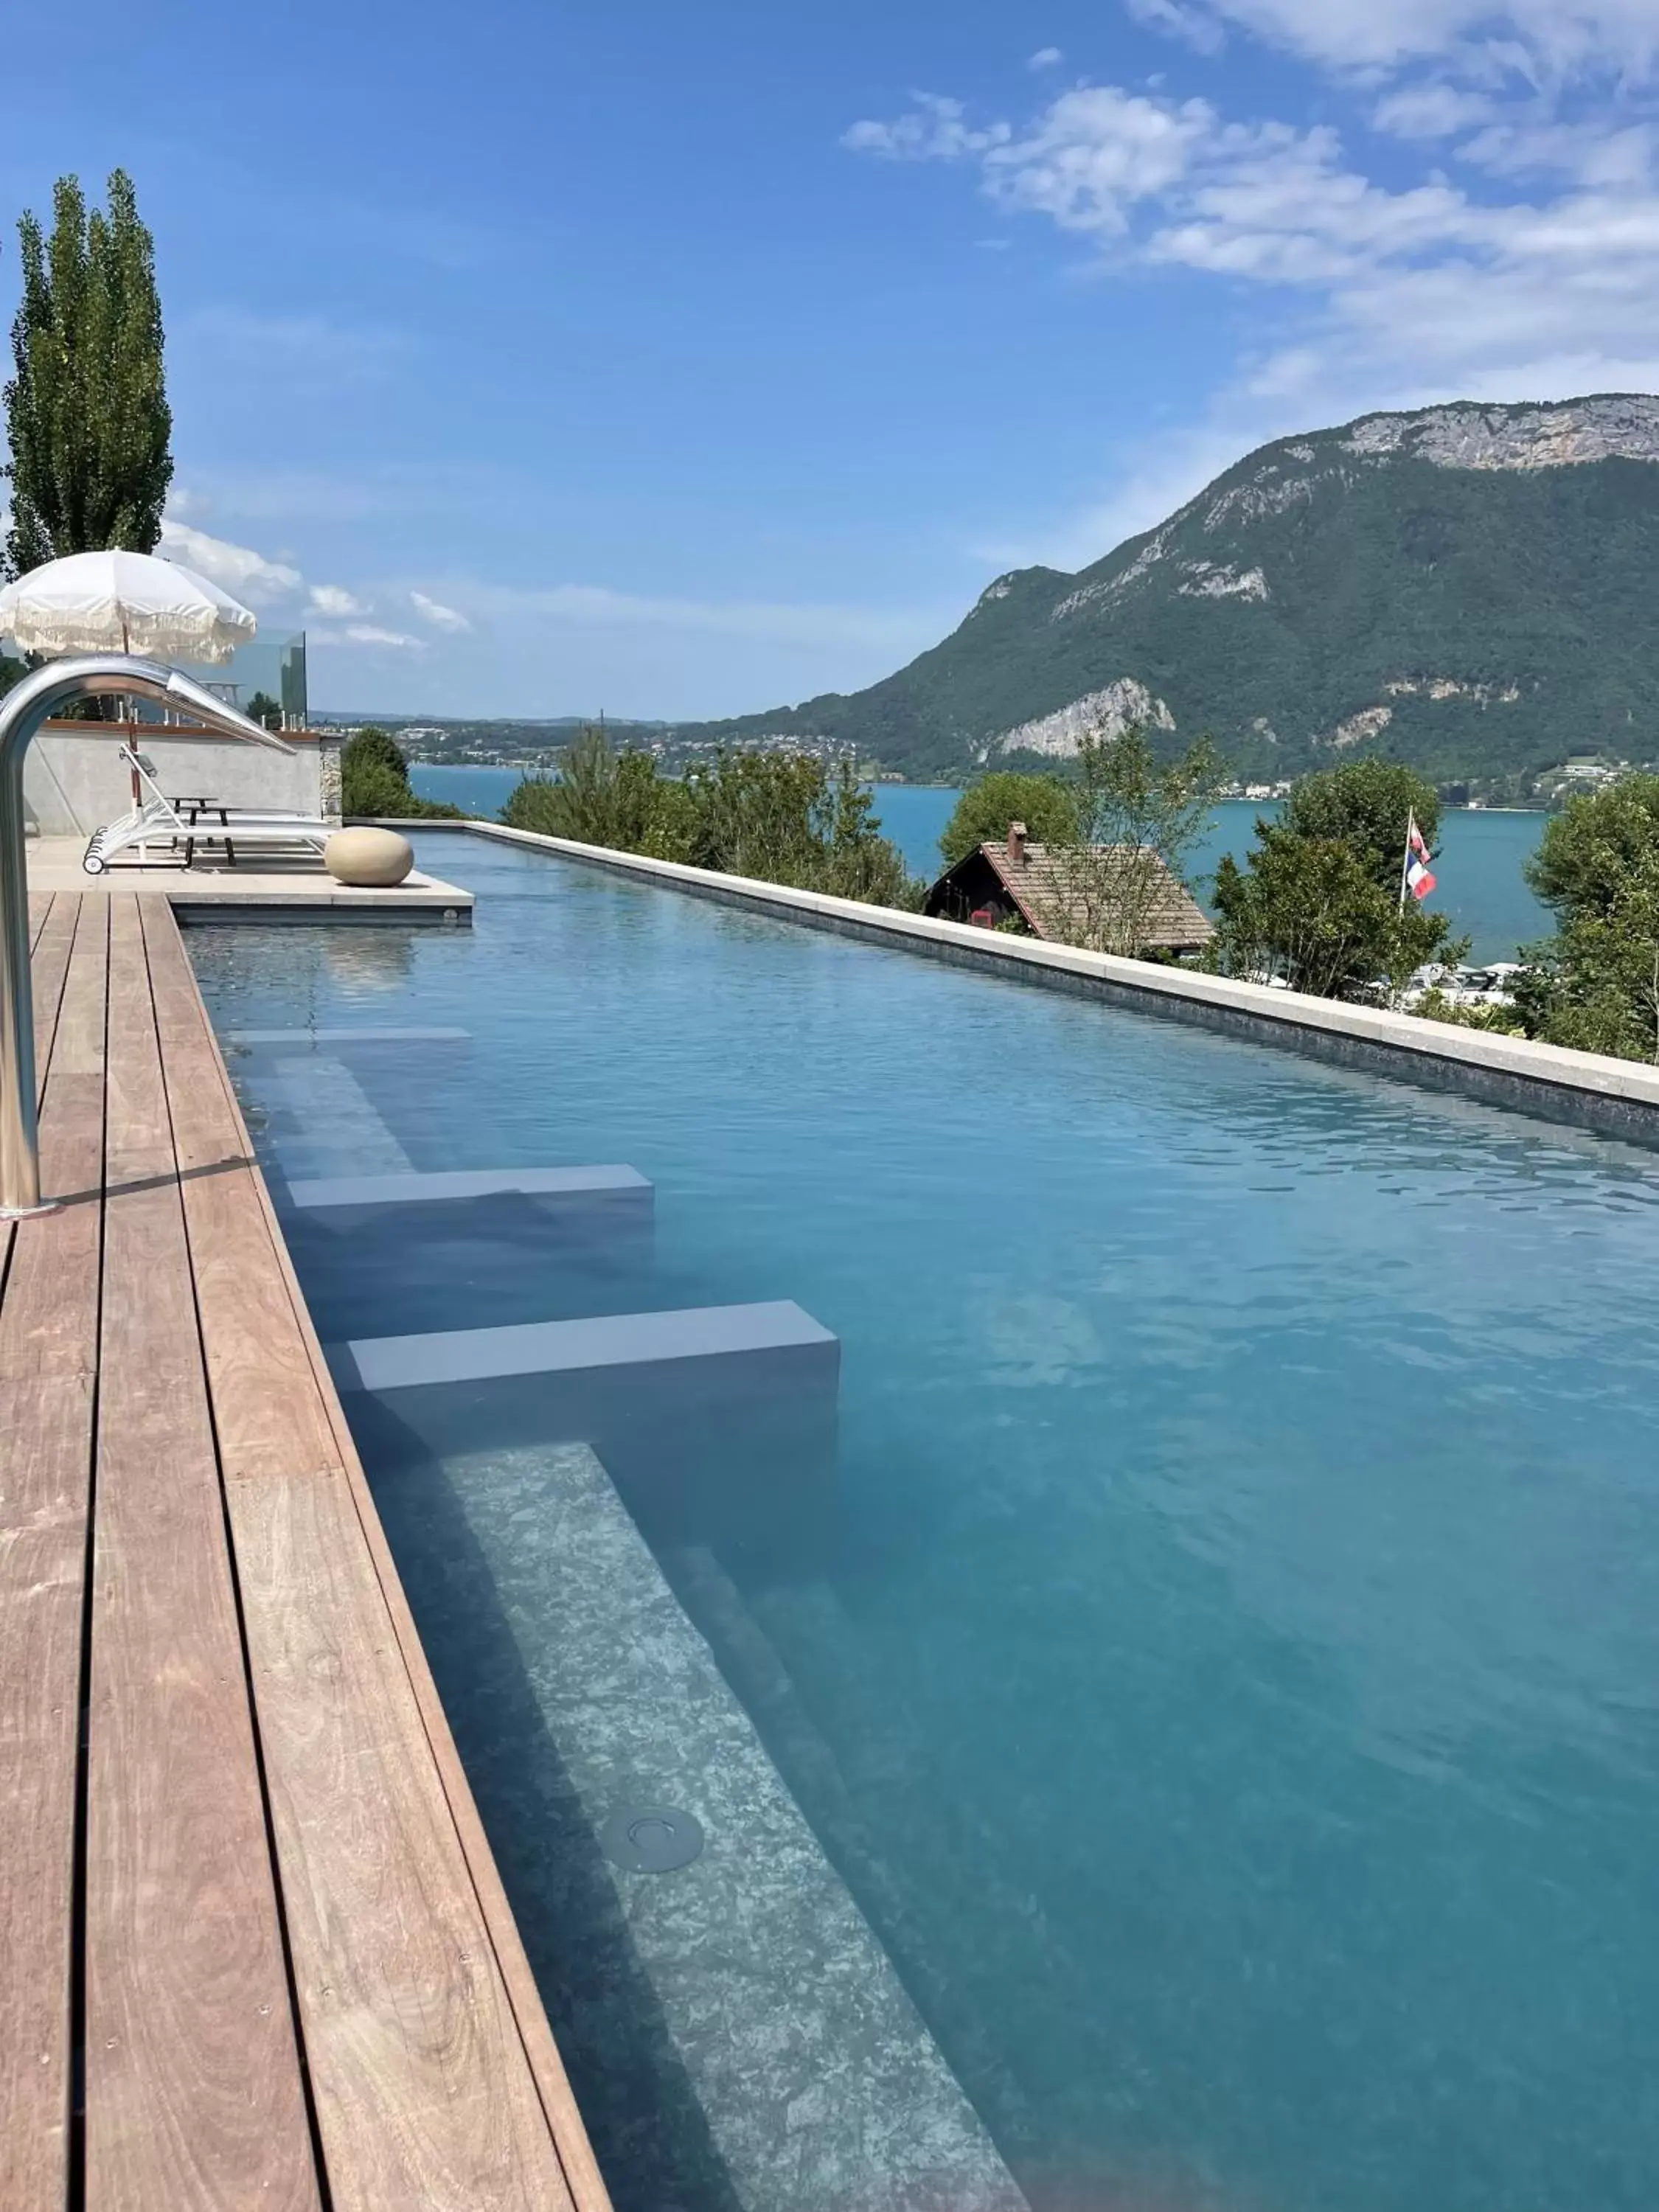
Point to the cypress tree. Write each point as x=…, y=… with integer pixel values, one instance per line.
x=87, y=411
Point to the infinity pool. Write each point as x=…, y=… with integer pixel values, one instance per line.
x=1172, y=1716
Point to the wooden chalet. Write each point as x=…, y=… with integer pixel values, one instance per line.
x=1042, y=888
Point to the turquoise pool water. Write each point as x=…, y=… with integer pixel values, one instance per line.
x=1213, y=1642
x=1482, y=852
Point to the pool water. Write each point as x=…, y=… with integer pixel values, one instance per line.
x=1191, y=1679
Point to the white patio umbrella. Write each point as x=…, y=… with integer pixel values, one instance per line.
x=117, y=602
x=120, y=602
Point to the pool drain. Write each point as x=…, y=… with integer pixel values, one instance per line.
x=650, y=1839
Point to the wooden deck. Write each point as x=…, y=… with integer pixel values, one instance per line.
x=253, y=1949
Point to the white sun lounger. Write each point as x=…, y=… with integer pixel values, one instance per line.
x=159, y=820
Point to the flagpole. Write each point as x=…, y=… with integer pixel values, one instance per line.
x=1406, y=861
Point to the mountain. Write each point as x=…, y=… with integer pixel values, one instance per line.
x=1473, y=589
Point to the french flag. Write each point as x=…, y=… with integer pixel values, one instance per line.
x=1419, y=877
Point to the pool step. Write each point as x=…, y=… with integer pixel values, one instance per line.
x=467, y=1249
x=339, y=1040
x=349, y=1197
x=741, y=1997
x=317, y=1115
x=719, y=1421
x=445, y=1358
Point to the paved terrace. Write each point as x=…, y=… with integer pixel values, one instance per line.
x=255, y=1950
x=264, y=882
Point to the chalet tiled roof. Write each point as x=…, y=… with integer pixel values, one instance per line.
x=1059, y=898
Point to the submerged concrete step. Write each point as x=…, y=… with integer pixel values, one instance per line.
x=380, y=1365
x=748, y=2039
x=720, y=1420
x=317, y=1115
x=336, y=1040
x=550, y=1186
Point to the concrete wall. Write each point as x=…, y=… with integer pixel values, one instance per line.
x=73, y=782
x=1583, y=1088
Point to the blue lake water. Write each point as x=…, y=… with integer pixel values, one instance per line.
x=1213, y=1641
x=1482, y=852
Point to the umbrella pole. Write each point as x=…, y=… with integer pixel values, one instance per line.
x=126, y=737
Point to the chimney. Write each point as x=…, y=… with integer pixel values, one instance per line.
x=1016, y=844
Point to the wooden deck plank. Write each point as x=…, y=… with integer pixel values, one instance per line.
x=424, y=2096
x=48, y=1349
x=40, y=905
x=436, y=2076
x=436, y=2079
x=53, y=934
x=193, y=2094
x=269, y=1416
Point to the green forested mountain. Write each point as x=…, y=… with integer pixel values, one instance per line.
x=1473, y=589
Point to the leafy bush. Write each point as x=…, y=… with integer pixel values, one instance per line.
x=1317, y=901
x=780, y=817
x=601, y=796
x=1044, y=804
x=1365, y=805
x=1500, y=1021
x=375, y=780
x=1594, y=985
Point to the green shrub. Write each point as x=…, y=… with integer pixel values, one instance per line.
x=1317, y=901
x=375, y=780
x=781, y=817
x=1044, y=804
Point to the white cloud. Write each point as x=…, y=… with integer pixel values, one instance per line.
x=439, y=617
x=1046, y=58
x=596, y=606
x=1432, y=109
x=1547, y=39
x=237, y=568
x=576, y=646
x=1589, y=152
x=335, y=601
x=1372, y=294
x=1085, y=160
x=1096, y=153
x=934, y=130
x=367, y=634
x=1195, y=26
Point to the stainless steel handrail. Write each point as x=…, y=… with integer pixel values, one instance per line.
x=41, y=693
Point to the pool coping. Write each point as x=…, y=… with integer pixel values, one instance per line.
x=1588, y=1090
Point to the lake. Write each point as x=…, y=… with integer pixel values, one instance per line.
x=1481, y=885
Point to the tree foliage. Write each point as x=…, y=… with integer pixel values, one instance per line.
x=782, y=817
x=1317, y=903
x=266, y=711
x=1043, y=803
x=375, y=780
x=85, y=408
x=1134, y=822
x=1365, y=805
x=1596, y=984
x=604, y=796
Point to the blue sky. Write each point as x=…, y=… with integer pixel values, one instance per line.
x=686, y=360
